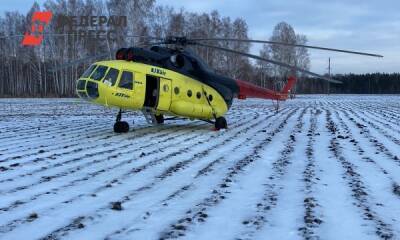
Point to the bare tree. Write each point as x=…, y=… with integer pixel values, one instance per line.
x=295, y=56
x=302, y=59
x=264, y=70
x=283, y=32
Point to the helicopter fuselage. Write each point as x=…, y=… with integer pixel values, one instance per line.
x=176, y=81
x=136, y=86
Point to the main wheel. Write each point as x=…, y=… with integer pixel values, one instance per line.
x=220, y=123
x=121, y=127
x=160, y=119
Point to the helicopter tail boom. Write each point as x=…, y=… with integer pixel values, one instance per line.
x=250, y=90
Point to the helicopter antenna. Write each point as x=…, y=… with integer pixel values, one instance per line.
x=329, y=74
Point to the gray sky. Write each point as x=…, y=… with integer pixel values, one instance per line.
x=13, y=5
x=368, y=25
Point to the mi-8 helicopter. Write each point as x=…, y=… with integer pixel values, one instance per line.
x=167, y=79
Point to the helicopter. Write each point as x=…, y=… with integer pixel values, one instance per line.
x=169, y=79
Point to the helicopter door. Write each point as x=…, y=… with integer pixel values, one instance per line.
x=152, y=91
x=124, y=91
x=165, y=94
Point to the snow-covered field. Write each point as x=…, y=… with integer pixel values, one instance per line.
x=324, y=167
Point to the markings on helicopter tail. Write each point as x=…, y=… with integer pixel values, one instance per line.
x=158, y=71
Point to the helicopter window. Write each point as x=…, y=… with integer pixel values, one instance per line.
x=210, y=98
x=111, y=77
x=81, y=85
x=176, y=90
x=126, y=80
x=99, y=73
x=88, y=71
x=198, y=95
x=189, y=93
x=82, y=94
x=165, y=88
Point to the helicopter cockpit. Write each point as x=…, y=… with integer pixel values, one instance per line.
x=87, y=86
x=103, y=82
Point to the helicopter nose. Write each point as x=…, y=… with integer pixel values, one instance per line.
x=92, y=89
x=87, y=90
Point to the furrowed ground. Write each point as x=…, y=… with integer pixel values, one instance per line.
x=323, y=167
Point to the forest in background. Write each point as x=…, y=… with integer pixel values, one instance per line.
x=24, y=71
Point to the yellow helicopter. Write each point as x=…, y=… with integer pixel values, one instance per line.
x=173, y=81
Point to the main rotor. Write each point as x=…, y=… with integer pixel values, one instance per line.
x=179, y=43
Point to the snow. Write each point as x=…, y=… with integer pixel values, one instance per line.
x=323, y=167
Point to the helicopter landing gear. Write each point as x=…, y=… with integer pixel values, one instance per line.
x=220, y=123
x=159, y=119
x=120, y=126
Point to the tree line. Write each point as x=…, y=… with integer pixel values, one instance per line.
x=24, y=70
x=370, y=83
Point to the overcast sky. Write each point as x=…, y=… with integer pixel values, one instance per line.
x=368, y=25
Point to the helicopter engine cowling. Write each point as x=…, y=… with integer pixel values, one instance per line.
x=178, y=60
x=139, y=55
x=121, y=54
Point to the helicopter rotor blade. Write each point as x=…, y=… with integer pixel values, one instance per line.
x=76, y=62
x=83, y=60
x=144, y=37
x=269, y=61
x=84, y=36
x=286, y=44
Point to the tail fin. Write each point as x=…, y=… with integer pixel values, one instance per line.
x=289, y=85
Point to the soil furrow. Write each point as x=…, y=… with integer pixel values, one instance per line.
x=136, y=170
x=146, y=188
x=354, y=180
x=198, y=214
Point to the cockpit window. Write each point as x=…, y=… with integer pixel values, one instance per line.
x=126, y=80
x=111, y=77
x=88, y=71
x=99, y=73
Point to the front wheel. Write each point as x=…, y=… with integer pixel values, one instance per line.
x=121, y=127
x=159, y=119
x=220, y=123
